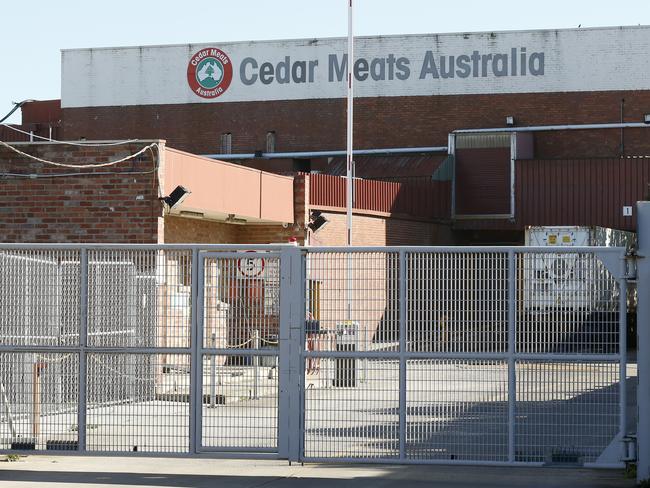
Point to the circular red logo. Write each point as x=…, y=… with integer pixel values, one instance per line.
x=209, y=72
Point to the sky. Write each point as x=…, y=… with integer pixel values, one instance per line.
x=33, y=33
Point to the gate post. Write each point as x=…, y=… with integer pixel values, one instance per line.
x=291, y=367
x=83, y=343
x=512, y=347
x=643, y=342
x=196, y=361
x=403, y=337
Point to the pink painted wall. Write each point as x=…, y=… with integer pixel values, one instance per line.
x=223, y=188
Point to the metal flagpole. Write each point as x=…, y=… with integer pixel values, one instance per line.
x=350, y=163
x=349, y=124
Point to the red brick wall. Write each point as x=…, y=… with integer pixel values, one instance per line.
x=379, y=122
x=370, y=230
x=182, y=230
x=87, y=207
x=187, y=230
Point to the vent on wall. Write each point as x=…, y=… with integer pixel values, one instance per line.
x=482, y=141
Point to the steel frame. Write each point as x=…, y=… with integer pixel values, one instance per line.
x=293, y=354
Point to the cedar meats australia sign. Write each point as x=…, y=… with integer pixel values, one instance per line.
x=542, y=61
x=209, y=72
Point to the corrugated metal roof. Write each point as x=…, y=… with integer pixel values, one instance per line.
x=421, y=198
x=388, y=166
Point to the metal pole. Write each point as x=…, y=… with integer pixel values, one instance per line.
x=622, y=341
x=349, y=124
x=36, y=400
x=196, y=356
x=10, y=418
x=643, y=342
x=256, y=364
x=402, y=353
x=350, y=163
x=83, y=343
x=512, y=379
x=213, y=372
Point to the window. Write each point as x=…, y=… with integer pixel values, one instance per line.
x=226, y=143
x=270, y=141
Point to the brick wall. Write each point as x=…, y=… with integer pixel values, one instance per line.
x=370, y=230
x=379, y=122
x=187, y=230
x=181, y=230
x=78, y=205
x=119, y=204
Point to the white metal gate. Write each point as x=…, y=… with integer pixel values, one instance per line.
x=496, y=355
x=470, y=355
x=238, y=351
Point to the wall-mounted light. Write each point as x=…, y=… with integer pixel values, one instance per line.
x=510, y=120
x=176, y=197
x=233, y=219
x=646, y=119
x=195, y=215
x=316, y=220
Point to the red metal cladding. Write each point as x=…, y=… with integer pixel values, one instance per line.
x=580, y=191
x=42, y=112
x=422, y=198
x=483, y=181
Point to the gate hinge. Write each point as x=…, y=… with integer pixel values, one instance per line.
x=630, y=448
x=631, y=258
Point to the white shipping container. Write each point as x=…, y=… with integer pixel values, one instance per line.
x=573, y=281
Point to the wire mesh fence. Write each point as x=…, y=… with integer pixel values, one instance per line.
x=457, y=410
x=35, y=308
x=39, y=397
x=137, y=403
x=470, y=336
x=240, y=403
x=567, y=412
x=353, y=417
x=457, y=302
x=480, y=355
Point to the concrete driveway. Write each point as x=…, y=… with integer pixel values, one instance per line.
x=76, y=471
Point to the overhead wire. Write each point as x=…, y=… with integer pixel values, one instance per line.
x=32, y=176
x=80, y=166
x=71, y=143
x=16, y=107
